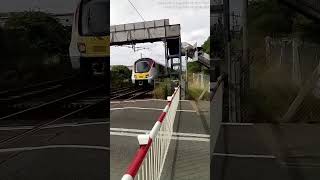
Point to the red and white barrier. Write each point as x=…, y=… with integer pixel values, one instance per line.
x=150, y=157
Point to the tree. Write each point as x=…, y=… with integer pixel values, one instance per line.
x=206, y=46
x=38, y=32
x=28, y=39
x=121, y=71
x=194, y=67
x=119, y=74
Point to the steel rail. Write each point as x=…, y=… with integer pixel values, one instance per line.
x=47, y=123
x=25, y=88
x=51, y=103
x=126, y=94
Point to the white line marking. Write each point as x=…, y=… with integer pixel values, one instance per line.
x=192, y=111
x=245, y=155
x=54, y=147
x=237, y=124
x=192, y=134
x=15, y=128
x=53, y=126
x=190, y=139
x=129, y=130
x=144, y=100
x=182, y=100
x=299, y=165
x=146, y=131
x=173, y=137
x=141, y=108
x=137, y=108
x=137, y=100
x=124, y=134
x=115, y=102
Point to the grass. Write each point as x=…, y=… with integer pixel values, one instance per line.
x=14, y=77
x=162, y=90
x=195, y=91
x=115, y=83
x=271, y=95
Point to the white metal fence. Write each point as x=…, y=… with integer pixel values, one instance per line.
x=150, y=158
x=298, y=57
x=200, y=80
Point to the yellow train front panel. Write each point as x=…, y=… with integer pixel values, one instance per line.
x=95, y=46
x=141, y=76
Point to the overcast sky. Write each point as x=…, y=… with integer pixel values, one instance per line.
x=194, y=22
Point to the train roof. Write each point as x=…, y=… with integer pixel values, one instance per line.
x=150, y=59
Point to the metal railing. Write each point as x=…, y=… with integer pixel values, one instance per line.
x=150, y=158
x=216, y=111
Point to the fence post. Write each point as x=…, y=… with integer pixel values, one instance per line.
x=268, y=49
x=193, y=77
x=202, y=82
x=281, y=52
x=296, y=73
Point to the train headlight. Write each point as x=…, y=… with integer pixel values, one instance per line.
x=82, y=47
x=135, y=76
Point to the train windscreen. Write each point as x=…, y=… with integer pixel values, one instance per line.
x=95, y=17
x=143, y=66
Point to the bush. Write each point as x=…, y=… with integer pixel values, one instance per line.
x=162, y=90
x=195, y=92
x=120, y=76
x=28, y=40
x=271, y=96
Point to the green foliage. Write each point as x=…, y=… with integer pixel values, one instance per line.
x=271, y=18
x=27, y=41
x=194, y=67
x=162, y=90
x=119, y=75
x=38, y=32
x=120, y=72
x=273, y=90
x=206, y=46
x=195, y=92
x=272, y=95
x=268, y=17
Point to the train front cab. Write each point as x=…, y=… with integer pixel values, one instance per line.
x=141, y=79
x=144, y=73
x=89, y=47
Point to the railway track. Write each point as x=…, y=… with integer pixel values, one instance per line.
x=84, y=104
x=127, y=94
x=33, y=89
x=55, y=112
x=36, y=95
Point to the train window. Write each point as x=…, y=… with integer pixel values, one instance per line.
x=94, y=17
x=142, y=66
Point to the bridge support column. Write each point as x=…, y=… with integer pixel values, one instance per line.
x=173, y=54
